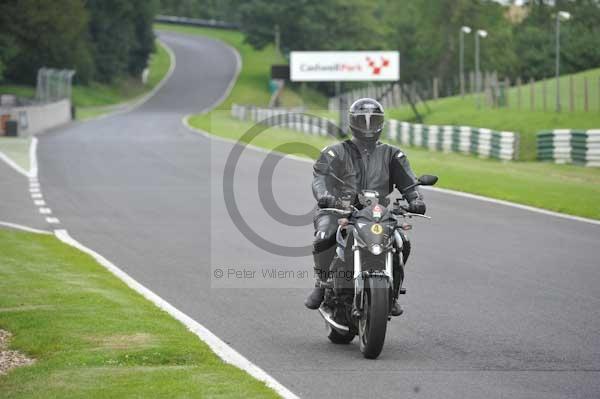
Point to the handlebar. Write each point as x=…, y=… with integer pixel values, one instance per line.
x=336, y=210
x=403, y=211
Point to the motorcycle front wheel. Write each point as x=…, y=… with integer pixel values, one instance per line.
x=373, y=323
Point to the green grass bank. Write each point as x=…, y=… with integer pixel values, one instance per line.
x=93, y=337
x=524, y=120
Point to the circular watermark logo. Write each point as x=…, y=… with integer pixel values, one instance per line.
x=265, y=181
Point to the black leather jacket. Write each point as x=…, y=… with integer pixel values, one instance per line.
x=383, y=168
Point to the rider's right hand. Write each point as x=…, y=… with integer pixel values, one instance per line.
x=326, y=201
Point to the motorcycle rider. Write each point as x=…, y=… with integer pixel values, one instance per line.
x=361, y=163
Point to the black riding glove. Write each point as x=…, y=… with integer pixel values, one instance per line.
x=417, y=206
x=326, y=201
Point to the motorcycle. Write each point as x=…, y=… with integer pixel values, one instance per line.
x=368, y=269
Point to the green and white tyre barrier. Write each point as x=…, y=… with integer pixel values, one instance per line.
x=570, y=146
x=293, y=119
x=464, y=139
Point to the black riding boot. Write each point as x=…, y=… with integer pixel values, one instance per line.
x=315, y=298
x=322, y=261
x=396, y=308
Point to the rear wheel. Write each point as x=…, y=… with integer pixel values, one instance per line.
x=373, y=323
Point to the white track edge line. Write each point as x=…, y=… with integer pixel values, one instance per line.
x=33, y=163
x=514, y=205
x=224, y=351
x=24, y=228
x=223, y=97
x=13, y=164
x=530, y=208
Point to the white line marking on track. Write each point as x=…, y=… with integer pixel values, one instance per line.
x=45, y=211
x=514, y=205
x=24, y=228
x=34, y=190
x=13, y=164
x=224, y=351
x=33, y=163
x=440, y=190
x=39, y=202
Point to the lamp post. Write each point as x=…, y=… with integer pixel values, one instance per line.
x=277, y=39
x=561, y=15
x=463, y=30
x=483, y=34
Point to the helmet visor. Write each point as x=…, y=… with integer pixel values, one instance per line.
x=368, y=123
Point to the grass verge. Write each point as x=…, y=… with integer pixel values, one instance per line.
x=17, y=149
x=93, y=337
x=562, y=188
x=97, y=99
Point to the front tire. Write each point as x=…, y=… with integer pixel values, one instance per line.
x=373, y=324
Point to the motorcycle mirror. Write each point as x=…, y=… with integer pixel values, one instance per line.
x=428, y=180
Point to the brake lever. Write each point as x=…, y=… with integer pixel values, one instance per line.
x=410, y=215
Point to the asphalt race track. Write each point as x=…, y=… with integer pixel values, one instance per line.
x=502, y=302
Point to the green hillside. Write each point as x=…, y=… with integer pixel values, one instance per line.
x=527, y=122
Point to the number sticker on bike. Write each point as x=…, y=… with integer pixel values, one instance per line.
x=377, y=229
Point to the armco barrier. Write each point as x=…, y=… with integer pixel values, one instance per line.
x=570, y=146
x=482, y=142
x=468, y=140
x=290, y=118
x=208, y=23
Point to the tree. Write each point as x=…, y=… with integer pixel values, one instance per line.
x=143, y=44
x=312, y=24
x=121, y=35
x=8, y=51
x=221, y=10
x=426, y=32
x=43, y=33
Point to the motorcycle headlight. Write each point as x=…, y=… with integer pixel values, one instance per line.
x=376, y=249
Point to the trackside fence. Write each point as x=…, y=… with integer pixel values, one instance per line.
x=482, y=142
x=290, y=118
x=570, y=146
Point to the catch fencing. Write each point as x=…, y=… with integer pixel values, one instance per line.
x=570, y=146
x=463, y=139
x=574, y=93
x=389, y=95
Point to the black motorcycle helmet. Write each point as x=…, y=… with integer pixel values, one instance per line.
x=366, y=119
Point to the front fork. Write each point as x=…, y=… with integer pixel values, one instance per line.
x=360, y=276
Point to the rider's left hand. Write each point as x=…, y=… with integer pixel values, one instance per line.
x=417, y=206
